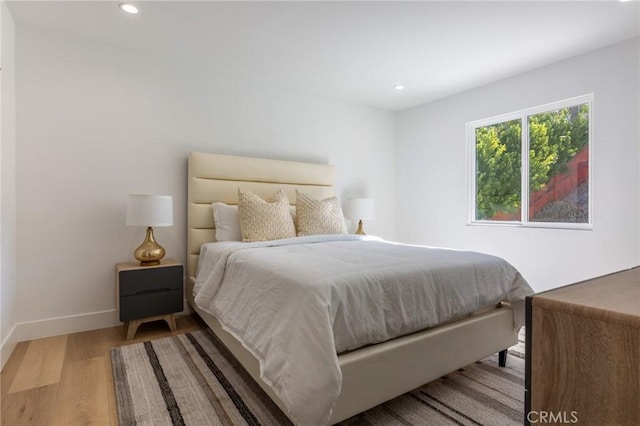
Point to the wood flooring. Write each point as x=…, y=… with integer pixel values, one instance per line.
x=67, y=380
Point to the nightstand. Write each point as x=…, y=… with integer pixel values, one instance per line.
x=149, y=293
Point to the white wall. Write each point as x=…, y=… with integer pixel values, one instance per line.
x=432, y=178
x=8, y=294
x=96, y=123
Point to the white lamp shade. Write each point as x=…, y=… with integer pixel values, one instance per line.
x=360, y=209
x=150, y=210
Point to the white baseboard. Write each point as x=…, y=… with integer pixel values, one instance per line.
x=54, y=327
x=65, y=325
x=8, y=345
x=57, y=326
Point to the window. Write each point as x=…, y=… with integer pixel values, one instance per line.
x=532, y=167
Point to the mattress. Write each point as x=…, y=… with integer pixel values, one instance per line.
x=296, y=303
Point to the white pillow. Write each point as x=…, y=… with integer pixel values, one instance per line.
x=225, y=218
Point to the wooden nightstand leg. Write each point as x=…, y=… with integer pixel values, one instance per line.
x=132, y=328
x=171, y=321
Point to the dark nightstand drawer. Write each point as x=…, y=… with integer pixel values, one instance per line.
x=149, y=291
x=141, y=281
x=158, y=302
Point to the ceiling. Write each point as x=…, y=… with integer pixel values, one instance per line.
x=351, y=51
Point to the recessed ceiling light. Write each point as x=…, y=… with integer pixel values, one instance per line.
x=624, y=1
x=398, y=87
x=129, y=8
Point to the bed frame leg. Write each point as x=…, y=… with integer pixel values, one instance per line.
x=502, y=358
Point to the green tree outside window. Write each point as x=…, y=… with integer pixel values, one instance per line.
x=555, y=137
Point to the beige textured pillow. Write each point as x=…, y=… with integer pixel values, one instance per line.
x=262, y=220
x=317, y=217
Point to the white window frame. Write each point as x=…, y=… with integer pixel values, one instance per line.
x=523, y=115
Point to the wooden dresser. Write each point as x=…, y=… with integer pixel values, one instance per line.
x=583, y=353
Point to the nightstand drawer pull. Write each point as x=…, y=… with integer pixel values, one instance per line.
x=153, y=290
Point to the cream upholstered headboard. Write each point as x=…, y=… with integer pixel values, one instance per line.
x=214, y=177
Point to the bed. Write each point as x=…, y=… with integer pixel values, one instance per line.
x=371, y=374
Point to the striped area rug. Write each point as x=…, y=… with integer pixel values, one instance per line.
x=191, y=379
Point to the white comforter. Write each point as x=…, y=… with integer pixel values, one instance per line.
x=295, y=303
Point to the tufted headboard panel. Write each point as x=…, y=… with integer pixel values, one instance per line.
x=215, y=177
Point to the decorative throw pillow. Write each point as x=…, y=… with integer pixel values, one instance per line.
x=225, y=218
x=262, y=220
x=319, y=217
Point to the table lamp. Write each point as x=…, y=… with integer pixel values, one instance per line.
x=360, y=209
x=149, y=211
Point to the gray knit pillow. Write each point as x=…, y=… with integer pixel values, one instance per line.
x=262, y=220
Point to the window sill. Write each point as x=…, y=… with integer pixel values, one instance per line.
x=542, y=225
